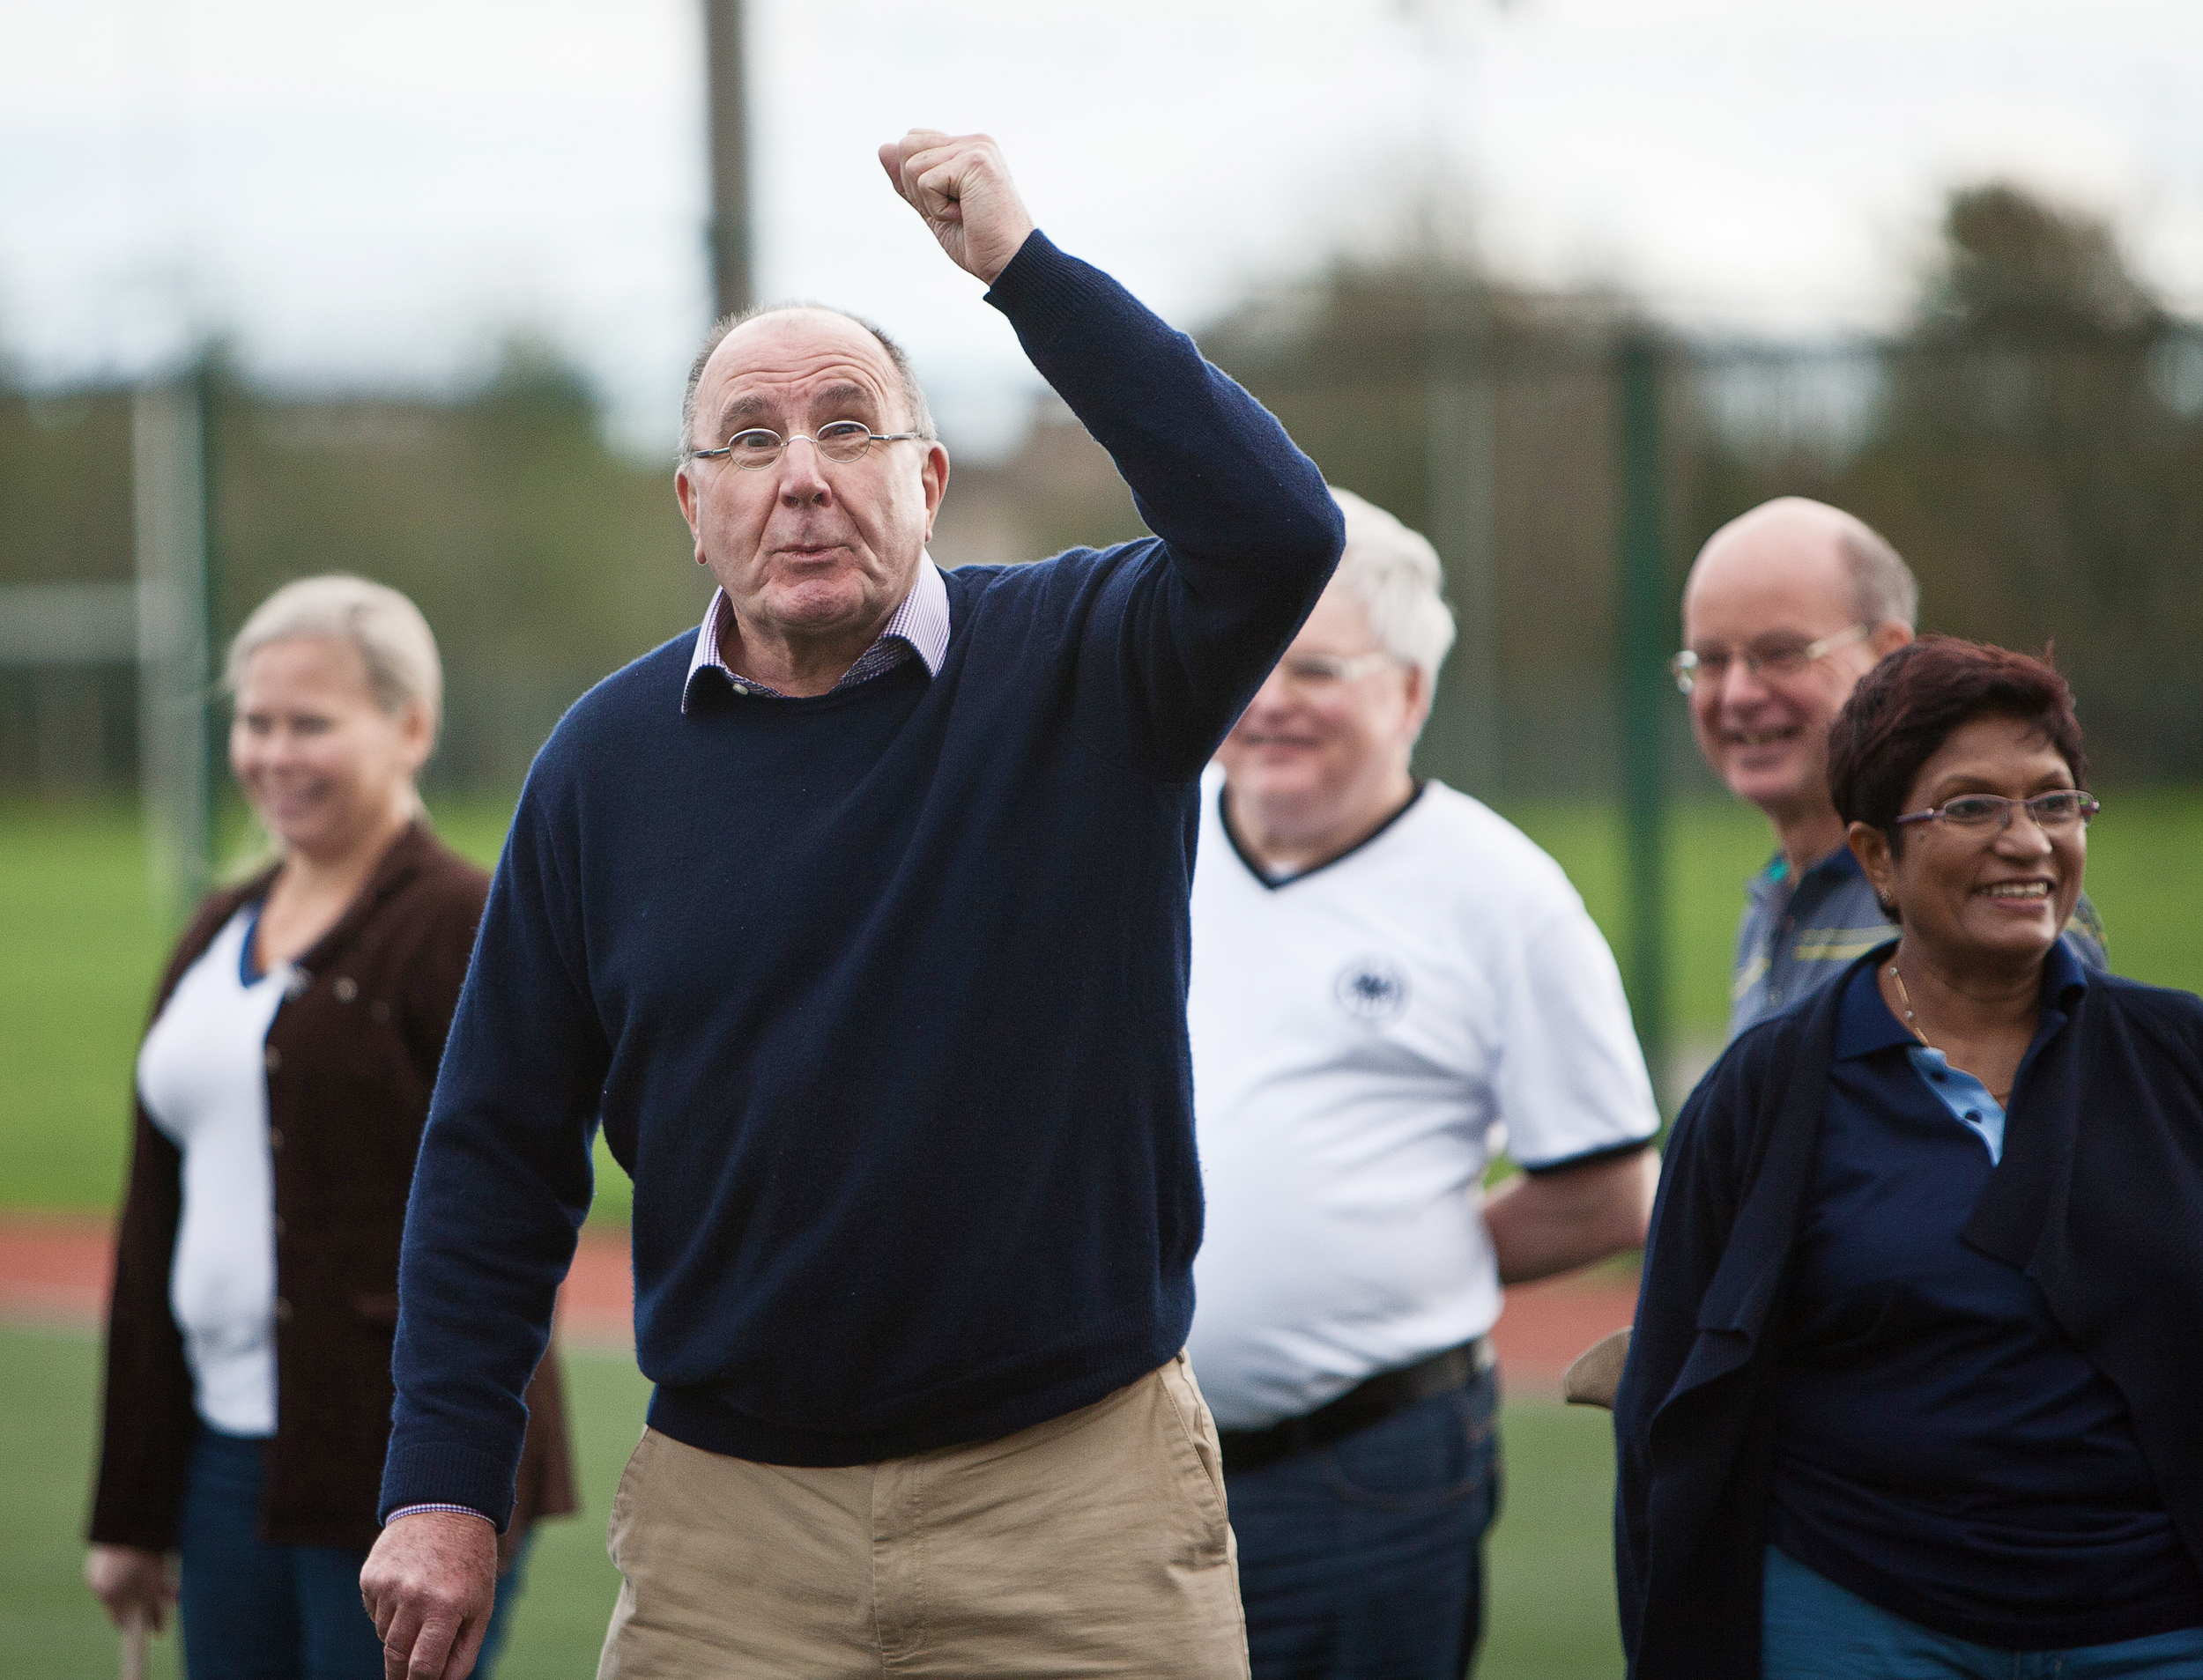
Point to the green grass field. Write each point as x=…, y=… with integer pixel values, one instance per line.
x=80, y=946
x=1551, y=1614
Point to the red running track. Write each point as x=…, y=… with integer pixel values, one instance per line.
x=53, y=1270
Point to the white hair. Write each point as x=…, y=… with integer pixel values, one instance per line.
x=393, y=640
x=1394, y=574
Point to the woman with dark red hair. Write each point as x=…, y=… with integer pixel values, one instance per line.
x=1918, y=1369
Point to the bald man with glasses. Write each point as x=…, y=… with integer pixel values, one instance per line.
x=1786, y=607
x=856, y=918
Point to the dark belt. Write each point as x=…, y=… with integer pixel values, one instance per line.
x=1384, y=1395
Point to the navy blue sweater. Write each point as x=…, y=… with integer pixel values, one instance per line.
x=879, y=995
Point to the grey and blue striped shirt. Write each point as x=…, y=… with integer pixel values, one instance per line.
x=1797, y=935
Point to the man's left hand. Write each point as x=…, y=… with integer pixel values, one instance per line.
x=961, y=186
x=428, y=1586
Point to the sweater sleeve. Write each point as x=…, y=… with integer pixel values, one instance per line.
x=502, y=1188
x=1189, y=625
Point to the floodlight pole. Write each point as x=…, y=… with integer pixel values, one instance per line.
x=1459, y=427
x=1640, y=692
x=1460, y=433
x=733, y=276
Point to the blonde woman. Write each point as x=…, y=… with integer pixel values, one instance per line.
x=281, y=1091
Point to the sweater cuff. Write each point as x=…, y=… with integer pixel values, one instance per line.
x=443, y=1473
x=1042, y=290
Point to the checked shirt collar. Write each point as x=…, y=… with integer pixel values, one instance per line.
x=919, y=626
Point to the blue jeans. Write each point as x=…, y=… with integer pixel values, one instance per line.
x=253, y=1611
x=1366, y=1561
x=1814, y=1630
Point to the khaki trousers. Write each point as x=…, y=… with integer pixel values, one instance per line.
x=1094, y=1543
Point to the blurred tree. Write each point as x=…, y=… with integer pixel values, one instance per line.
x=1347, y=363
x=2027, y=461
x=2015, y=268
x=65, y=519
x=2030, y=443
x=2033, y=443
x=542, y=557
x=65, y=488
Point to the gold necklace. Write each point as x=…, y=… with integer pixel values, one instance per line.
x=1912, y=1020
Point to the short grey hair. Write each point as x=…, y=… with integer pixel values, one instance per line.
x=392, y=638
x=1882, y=585
x=1394, y=572
x=913, y=397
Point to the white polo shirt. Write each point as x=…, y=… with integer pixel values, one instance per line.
x=1365, y=1035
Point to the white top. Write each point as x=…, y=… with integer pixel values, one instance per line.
x=203, y=1076
x=1364, y=1036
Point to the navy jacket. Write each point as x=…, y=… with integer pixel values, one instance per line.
x=2099, y=1199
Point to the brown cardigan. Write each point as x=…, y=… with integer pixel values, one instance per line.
x=351, y=1059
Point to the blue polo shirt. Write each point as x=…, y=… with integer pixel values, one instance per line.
x=1944, y=1450
x=1800, y=930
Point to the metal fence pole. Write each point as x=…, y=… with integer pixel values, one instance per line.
x=1639, y=644
x=175, y=675
x=213, y=713
x=1458, y=426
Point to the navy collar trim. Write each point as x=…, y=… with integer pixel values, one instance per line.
x=1865, y=1022
x=248, y=969
x=2064, y=978
x=1275, y=882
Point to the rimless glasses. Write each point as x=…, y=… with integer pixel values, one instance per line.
x=844, y=440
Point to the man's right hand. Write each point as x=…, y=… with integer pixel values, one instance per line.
x=428, y=1585
x=134, y=1584
x=961, y=186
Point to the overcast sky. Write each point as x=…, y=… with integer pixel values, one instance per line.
x=374, y=194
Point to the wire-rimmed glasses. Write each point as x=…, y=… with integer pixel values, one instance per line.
x=1770, y=658
x=757, y=447
x=2061, y=809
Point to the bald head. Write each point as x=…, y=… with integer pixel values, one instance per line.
x=1796, y=542
x=917, y=415
x=1786, y=608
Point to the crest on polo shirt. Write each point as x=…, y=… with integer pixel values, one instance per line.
x=1372, y=989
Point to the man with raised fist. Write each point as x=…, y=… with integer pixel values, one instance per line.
x=858, y=919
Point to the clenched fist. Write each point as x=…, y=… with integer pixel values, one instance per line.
x=961, y=186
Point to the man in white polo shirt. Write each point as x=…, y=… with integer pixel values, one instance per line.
x=1389, y=984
